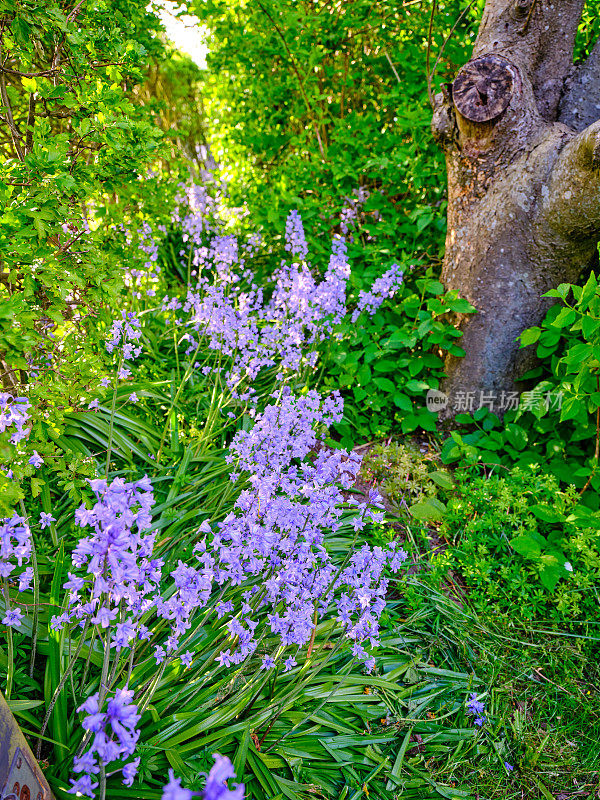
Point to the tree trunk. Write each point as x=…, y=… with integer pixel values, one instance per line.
x=522, y=142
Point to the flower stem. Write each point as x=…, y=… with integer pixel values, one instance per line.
x=9, y=640
x=60, y=686
x=112, y=418
x=36, y=597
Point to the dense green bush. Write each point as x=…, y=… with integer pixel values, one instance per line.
x=386, y=365
x=312, y=102
x=521, y=546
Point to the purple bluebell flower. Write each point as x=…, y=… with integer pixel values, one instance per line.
x=129, y=771
x=36, y=460
x=83, y=786
x=216, y=782
x=476, y=708
x=115, y=738
x=46, y=519
x=275, y=534
x=15, y=543
x=120, y=574
x=14, y=413
x=187, y=658
x=295, y=240
x=384, y=287
x=25, y=579
x=13, y=618
x=124, y=333
x=173, y=790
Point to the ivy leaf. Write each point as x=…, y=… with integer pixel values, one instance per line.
x=530, y=336
x=442, y=478
x=429, y=510
x=526, y=546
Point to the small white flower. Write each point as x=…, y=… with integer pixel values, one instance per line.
x=568, y=566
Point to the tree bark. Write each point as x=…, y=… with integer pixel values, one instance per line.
x=522, y=142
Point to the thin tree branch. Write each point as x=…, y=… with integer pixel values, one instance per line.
x=298, y=76
x=447, y=39
x=14, y=131
x=428, y=54
x=30, y=124
x=391, y=63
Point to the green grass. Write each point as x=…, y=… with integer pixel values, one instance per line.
x=542, y=703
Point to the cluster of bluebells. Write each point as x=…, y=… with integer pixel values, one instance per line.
x=476, y=708
x=274, y=540
x=121, y=578
x=112, y=736
x=15, y=534
x=295, y=240
x=256, y=328
x=124, y=335
x=385, y=286
x=14, y=413
x=122, y=340
x=15, y=549
x=352, y=209
x=216, y=784
x=148, y=276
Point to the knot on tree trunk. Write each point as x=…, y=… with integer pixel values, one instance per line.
x=523, y=8
x=484, y=87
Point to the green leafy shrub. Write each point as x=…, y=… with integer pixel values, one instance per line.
x=307, y=104
x=78, y=144
x=522, y=546
x=385, y=366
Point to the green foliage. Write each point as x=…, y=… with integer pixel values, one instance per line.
x=386, y=365
x=410, y=480
x=308, y=101
x=324, y=726
x=522, y=546
x=539, y=688
x=172, y=93
x=322, y=107
x=79, y=142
